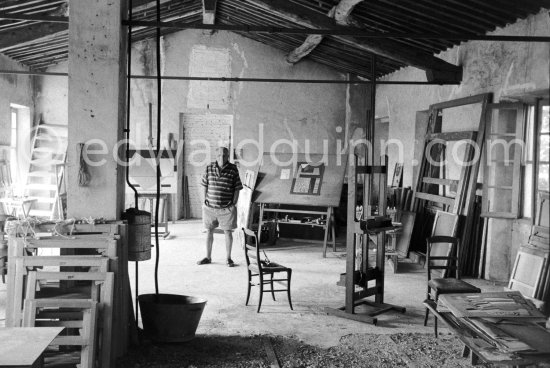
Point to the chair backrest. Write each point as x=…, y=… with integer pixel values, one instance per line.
x=251, y=250
x=442, y=256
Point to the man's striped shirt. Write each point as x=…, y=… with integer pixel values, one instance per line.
x=221, y=184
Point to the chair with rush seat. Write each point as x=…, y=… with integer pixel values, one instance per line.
x=258, y=267
x=442, y=258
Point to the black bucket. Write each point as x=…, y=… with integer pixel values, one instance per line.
x=169, y=317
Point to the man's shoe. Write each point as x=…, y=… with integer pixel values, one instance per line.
x=230, y=262
x=203, y=261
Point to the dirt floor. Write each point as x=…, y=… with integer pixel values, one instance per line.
x=354, y=350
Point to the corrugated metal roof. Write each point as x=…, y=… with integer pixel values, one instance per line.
x=39, y=45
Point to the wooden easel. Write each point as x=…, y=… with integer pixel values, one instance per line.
x=357, y=232
x=277, y=181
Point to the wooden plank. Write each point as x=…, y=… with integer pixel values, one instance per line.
x=450, y=136
x=69, y=261
x=15, y=249
x=406, y=218
x=439, y=181
x=350, y=234
x=106, y=310
x=295, y=211
x=469, y=204
x=21, y=346
x=270, y=352
x=528, y=271
x=464, y=176
x=435, y=198
x=78, y=276
x=481, y=98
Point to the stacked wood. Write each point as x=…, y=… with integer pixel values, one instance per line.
x=90, y=272
x=472, y=241
x=433, y=191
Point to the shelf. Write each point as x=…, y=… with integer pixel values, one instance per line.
x=301, y=223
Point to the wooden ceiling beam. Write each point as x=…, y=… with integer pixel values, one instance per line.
x=436, y=68
x=340, y=13
x=208, y=11
x=30, y=33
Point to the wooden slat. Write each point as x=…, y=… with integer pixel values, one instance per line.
x=435, y=198
x=439, y=181
x=450, y=136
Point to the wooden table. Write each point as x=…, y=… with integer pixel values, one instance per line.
x=327, y=226
x=528, y=330
x=24, y=346
x=163, y=215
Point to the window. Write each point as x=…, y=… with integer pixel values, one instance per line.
x=536, y=161
x=13, y=144
x=502, y=175
x=544, y=142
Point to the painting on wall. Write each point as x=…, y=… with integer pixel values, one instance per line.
x=308, y=178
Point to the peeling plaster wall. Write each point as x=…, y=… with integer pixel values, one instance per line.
x=52, y=95
x=503, y=68
x=17, y=89
x=287, y=111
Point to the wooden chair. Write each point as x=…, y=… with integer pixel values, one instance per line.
x=258, y=267
x=442, y=259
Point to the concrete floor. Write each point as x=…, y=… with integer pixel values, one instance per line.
x=313, y=288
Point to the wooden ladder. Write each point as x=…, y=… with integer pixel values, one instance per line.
x=46, y=170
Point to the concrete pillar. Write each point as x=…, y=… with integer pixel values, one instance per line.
x=97, y=90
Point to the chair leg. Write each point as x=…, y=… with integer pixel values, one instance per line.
x=261, y=293
x=272, y=288
x=289, y=276
x=435, y=317
x=426, y=317
x=427, y=310
x=249, y=287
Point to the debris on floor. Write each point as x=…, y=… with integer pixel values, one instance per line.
x=354, y=350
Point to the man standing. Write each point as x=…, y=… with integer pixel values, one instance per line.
x=221, y=184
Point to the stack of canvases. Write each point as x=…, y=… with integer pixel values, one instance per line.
x=69, y=290
x=531, y=272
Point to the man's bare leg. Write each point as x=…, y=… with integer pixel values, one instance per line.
x=228, y=245
x=209, y=242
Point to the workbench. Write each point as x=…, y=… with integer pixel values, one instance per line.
x=163, y=210
x=327, y=226
x=483, y=348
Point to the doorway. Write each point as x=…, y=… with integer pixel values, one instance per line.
x=201, y=134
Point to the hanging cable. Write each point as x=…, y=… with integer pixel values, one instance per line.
x=128, y=99
x=157, y=158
